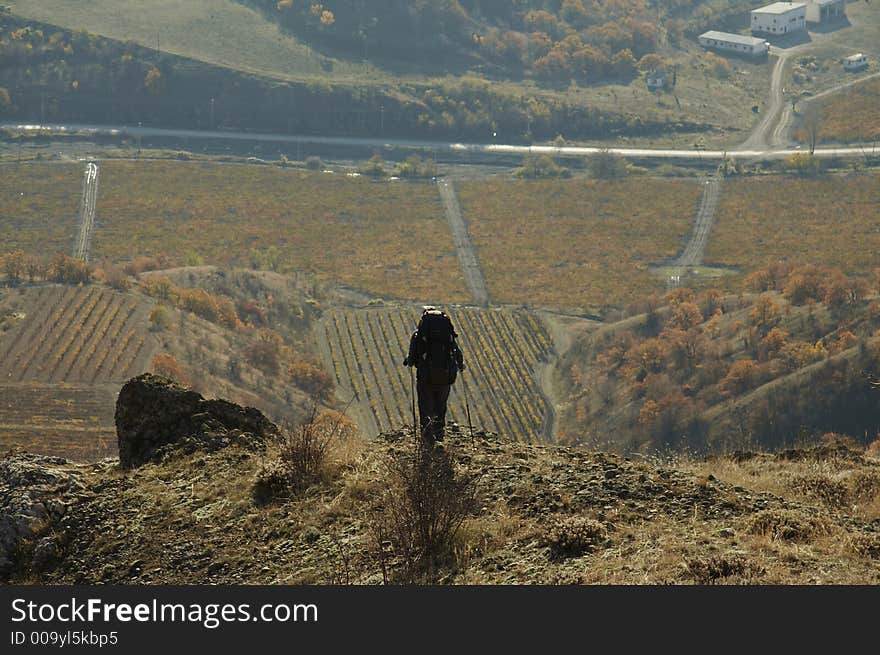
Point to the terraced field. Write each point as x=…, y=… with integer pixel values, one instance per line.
x=503, y=350
x=62, y=360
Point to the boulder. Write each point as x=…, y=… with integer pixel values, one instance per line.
x=34, y=494
x=155, y=417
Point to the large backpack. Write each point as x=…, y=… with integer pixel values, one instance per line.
x=437, y=348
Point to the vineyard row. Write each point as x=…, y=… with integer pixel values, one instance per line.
x=502, y=348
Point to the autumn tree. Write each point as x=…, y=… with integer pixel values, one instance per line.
x=68, y=270
x=741, y=377
x=772, y=343
x=685, y=316
x=765, y=313
x=265, y=352
x=167, y=365
x=14, y=266
x=805, y=284
x=650, y=62
x=154, y=81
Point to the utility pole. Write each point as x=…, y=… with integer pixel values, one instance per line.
x=212, y=113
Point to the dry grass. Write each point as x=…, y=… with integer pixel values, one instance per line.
x=829, y=484
x=829, y=221
x=39, y=204
x=221, y=32
x=386, y=238
x=852, y=115
x=576, y=243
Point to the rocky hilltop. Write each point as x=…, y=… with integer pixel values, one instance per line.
x=183, y=505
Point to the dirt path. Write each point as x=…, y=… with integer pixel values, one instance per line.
x=87, y=207
x=470, y=265
x=763, y=133
x=692, y=255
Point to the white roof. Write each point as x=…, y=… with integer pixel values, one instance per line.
x=822, y=3
x=779, y=8
x=855, y=57
x=732, y=38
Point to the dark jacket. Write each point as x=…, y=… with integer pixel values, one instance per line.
x=415, y=357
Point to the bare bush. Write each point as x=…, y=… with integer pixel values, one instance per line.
x=416, y=520
x=302, y=457
x=573, y=536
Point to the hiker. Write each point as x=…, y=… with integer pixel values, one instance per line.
x=434, y=352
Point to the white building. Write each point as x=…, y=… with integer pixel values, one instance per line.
x=780, y=18
x=744, y=45
x=825, y=11
x=855, y=62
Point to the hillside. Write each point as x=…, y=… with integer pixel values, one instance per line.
x=65, y=348
x=195, y=511
x=794, y=356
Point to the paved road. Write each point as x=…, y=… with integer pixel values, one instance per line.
x=470, y=265
x=88, y=204
x=439, y=146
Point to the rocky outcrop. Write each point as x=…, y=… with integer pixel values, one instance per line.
x=155, y=416
x=35, y=491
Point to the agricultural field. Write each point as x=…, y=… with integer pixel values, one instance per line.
x=831, y=220
x=577, y=243
x=64, y=352
x=66, y=334
x=503, y=350
x=852, y=115
x=365, y=234
x=74, y=421
x=39, y=203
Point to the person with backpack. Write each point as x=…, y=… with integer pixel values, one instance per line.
x=434, y=351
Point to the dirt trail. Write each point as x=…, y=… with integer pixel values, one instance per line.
x=87, y=213
x=470, y=265
x=692, y=255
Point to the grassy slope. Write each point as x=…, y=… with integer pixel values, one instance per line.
x=576, y=242
x=830, y=220
x=365, y=234
x=765, y=520
x=39, y=204
x=215, y=31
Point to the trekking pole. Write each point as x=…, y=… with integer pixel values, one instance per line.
x=412, y=387
x=467, y=409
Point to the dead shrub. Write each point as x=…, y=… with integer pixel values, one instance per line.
x=864, y=486
x=787, y=525
x=720, y=568
x=864, y=545
x=301, y=458
x=573, y=536
x=822, y=488
x=416, y=520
